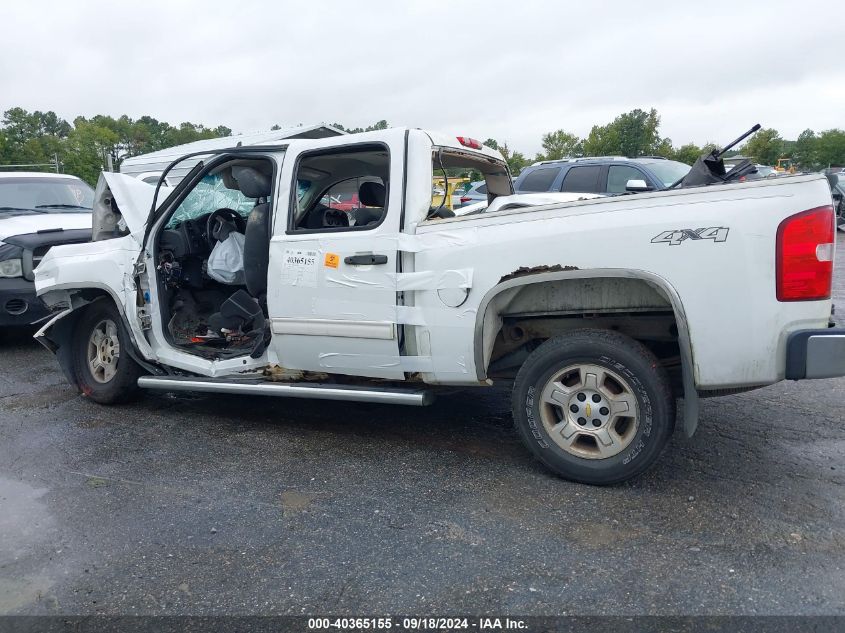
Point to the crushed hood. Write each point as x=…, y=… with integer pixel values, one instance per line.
x=122, y=205
x=11, y=225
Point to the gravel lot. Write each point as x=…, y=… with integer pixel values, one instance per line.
x=229, y=505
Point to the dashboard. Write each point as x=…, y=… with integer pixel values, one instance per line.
x=186, y=238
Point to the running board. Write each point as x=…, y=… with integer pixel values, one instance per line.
x=386, y=395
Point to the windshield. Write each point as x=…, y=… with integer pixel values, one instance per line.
x=668, y=171
x=46, y=195
x=209, y=194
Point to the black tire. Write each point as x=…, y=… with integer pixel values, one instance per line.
x=637, y=370
x=122, y=385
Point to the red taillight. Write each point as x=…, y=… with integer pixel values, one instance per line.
x=465, y=199
x=469, y=142
x=804, y=255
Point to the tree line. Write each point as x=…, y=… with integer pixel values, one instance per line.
x=82, y=147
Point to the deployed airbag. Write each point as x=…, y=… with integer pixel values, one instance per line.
x=226, y=262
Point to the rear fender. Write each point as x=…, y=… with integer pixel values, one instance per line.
x=489, y=322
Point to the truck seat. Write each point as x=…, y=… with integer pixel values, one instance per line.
x=371, y=194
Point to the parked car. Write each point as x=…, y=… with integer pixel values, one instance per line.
x=476, y=193
x=601, y=174
x=601, y=311
x=37, y=211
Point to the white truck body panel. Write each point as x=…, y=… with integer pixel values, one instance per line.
x=736, y=325
x=347, y=320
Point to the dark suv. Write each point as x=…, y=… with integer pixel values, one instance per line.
x=601, y=174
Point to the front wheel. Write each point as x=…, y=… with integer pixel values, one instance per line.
x=104, y=370
x=594, y=406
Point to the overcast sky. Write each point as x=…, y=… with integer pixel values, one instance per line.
x=510, y=71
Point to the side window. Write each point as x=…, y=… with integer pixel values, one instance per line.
x=209, y=194
x=539, y=179
x=343, y=189
x=482, y=189
x=582, y=179
x=619, y=175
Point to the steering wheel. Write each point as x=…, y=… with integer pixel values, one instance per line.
x=334, y=218
x=215, y=221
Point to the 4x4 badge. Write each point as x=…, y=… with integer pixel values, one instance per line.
x=676, y=236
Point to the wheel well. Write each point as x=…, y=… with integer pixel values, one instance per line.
x=60, y=335
x=518, y=319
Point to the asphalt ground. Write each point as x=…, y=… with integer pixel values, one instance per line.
x=213, y=504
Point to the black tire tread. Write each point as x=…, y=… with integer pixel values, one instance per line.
x=598, y=342
x=124, y=386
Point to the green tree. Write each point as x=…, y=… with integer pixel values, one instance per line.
x=378, y=125
x=765, y=147
x=86, y=149
x=516, y=160
x=805, y=152
x=687, y=153
x=632, y=134
x=560, y=144
x=32, y=137
x=830, y=148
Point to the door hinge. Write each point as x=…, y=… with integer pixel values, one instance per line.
x=140, y=268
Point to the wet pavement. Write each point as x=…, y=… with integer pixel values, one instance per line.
x=232, y=505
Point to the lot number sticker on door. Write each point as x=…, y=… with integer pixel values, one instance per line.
x=299, y=268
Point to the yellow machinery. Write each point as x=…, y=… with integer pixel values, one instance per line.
x=437, y=190
x=785, y=166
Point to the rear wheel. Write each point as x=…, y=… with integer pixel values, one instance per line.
x=594, y=406
x=104, y=370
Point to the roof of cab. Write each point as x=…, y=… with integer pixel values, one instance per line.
x=438, y=139
x=34, y=174
x=451, y=140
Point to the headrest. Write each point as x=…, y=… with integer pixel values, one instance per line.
x=372, y=194
x=251, y=182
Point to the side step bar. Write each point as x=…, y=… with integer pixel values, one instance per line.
x=386, y=395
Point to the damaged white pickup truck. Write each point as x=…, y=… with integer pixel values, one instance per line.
x=347, y=284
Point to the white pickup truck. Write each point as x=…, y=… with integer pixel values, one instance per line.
x=602, y=311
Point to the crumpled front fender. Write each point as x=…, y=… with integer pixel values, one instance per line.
x=56, y=335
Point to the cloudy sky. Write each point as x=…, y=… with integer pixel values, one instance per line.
x=507, y=70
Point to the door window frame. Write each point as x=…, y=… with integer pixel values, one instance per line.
x=293, y=202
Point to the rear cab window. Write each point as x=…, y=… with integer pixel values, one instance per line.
x=454, y=169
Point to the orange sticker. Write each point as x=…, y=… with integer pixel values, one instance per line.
x=332, y=260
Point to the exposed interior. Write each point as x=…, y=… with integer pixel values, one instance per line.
x=455, y=170
x=211, y=261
